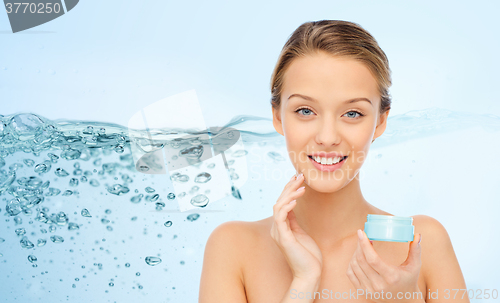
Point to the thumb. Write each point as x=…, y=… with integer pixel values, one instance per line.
x=293, y=221
x=414, y=253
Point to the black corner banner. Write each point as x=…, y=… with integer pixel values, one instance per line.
x=28, y=14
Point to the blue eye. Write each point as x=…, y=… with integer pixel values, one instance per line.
x=353, y=111
x=304, y=108
x=307, y=110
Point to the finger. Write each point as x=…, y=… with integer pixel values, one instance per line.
x=358, y=271
x=281, y=224
x=413, y=259
x=283, y=212
x=289, y=188
x=373, y=276
x=275, y=234
x=286, y=199
x=371, y=257
x=292, y=179
x=273, y=231
x=277, y=210
x=280, y=203
x=293, y=221
x=294, y=183
x=354, y=280
x=288, y=184
x=282, y=215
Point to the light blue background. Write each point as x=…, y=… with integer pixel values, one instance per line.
x=106, y=60
x=112, y=58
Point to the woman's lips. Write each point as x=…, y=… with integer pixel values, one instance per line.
x=326, y=167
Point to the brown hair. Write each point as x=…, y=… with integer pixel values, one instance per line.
x=337, y=38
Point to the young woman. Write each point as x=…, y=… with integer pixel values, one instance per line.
x=330, y=100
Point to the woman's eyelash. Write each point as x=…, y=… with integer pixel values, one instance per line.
x=302, y=109
x=353, y=111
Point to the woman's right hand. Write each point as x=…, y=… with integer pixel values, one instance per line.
x=301, y=252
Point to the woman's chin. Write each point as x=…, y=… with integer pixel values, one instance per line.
x=325, y=185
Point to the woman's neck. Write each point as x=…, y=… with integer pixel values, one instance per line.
x=331, y=217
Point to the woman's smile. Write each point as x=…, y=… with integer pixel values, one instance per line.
x=327, y=164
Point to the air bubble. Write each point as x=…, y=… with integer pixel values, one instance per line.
x=153, y=261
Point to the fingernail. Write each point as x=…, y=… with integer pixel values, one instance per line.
x=420, y=238
x=300, y=175
x=291, y=201
x=301, y=188
x=360, y=236
x=293, y=177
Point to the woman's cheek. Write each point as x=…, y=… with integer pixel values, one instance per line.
x=359, y=137
x=295, y=133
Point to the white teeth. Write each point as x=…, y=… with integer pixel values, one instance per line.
x=327, y=161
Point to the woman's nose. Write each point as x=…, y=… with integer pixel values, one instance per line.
x=327, y=133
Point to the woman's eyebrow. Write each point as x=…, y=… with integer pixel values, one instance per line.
x=314, y=100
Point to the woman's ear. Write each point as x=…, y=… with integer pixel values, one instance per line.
x=382, y=124
x=278, y=126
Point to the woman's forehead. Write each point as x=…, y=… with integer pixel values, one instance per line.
x=324, y=75
x=331, y=70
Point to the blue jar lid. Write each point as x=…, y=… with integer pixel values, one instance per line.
x=389, y=228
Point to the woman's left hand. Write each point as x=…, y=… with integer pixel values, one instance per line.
x=367, y=271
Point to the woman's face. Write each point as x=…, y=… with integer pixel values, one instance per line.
x=315, y=116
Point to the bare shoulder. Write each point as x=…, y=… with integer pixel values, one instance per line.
x=222, y=278
x=428, y=223
x=231, y=227
x=440, y=265
x=236, y=232
x=437, y=236
x=234, y=239
x=231, y=238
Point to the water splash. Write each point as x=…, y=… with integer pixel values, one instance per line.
x=45, y=162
